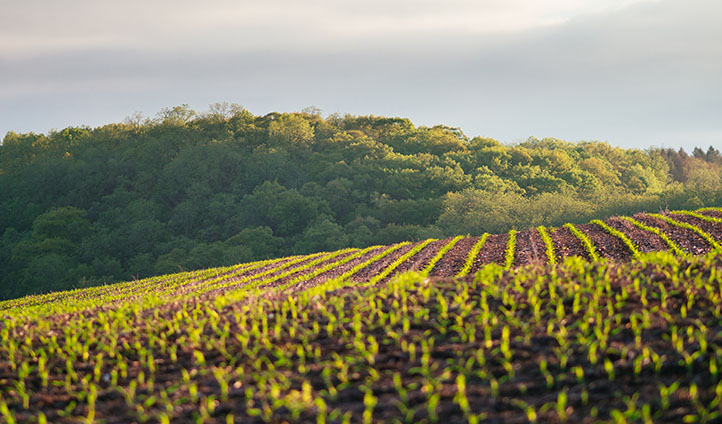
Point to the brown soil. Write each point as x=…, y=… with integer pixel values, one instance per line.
x=338, y=271
x=492, y=252
x=711, y=228
x=688, y=240
x=447, y=353
x=608, y=246
x=529, y=248
x=422, y=258
x=645, y=241
x=455, y=258
x=566, y=244
x=712, y=213
x=370, y=271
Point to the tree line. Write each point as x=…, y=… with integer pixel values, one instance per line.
x=83, y=206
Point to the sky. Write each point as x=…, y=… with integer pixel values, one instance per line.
x=634, y=73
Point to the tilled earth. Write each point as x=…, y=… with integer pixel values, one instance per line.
x=638, y=342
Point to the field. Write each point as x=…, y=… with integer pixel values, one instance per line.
x=616, y=320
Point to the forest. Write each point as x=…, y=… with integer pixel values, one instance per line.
x=186, y=190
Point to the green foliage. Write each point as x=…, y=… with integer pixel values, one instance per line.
x=187, y=190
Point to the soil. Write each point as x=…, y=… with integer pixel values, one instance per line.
x=688, y=240
x=711, y=228
x=492, y=252
x=645, y=241
x=370, y=271
x=608, y=246
x=447, y=352
x=714, y=214
x=455, y=258
x=530, y=248
x=422, y=258
x=338, y=271
x=567, y=244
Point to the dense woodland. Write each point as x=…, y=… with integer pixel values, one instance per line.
x=83, y=206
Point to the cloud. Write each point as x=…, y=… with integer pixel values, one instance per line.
x=633, y=73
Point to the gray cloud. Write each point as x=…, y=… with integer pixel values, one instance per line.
x=640, y=75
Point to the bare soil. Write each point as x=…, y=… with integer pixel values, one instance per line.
x=567, y=244
x=530, y=248
x=688, y=240
x=455, y=258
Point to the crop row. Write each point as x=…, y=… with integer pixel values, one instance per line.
x=301, y=270
x=585, y=240
x=620, y=342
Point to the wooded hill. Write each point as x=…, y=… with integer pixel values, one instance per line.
x=81, y=206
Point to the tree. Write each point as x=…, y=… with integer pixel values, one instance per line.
x=290, y=130
x=322, y=234
x=286, y=212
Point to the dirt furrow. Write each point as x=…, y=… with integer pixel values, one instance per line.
x=712, y=213
x=370, y=271
x=686, y=239
x=608, y=246
x=336, y=271
x=454, y=259
x=529, y=248
x=566, y=244
x=419, y=261
x=491, y=252
x=712, y=228
x=645, y=241
x=294, y=274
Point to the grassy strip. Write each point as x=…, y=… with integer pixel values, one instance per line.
x=690, y=227
x=715, y=209
x=325, y=268
x=673, y=247
x=618, y=234
x=586, y=241
x=510, y=247
x=440, y=255
x=403, y=258
x=473, y=253
x=699, y=216
x=551, y=257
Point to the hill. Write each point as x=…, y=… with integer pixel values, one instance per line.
x=537, y=334
x=85, y=206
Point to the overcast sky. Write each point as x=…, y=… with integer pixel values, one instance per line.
x=636, y=73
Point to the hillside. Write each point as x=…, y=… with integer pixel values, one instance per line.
x=86, y=206
x=537, y=334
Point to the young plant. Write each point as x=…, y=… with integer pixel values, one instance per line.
x=548, y=244
x=510, y=248
x=586, y=241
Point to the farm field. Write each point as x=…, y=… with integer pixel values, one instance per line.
x=616, y=320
